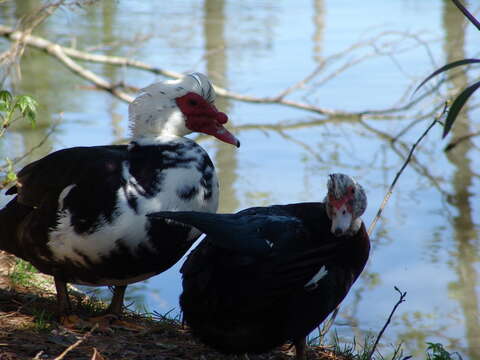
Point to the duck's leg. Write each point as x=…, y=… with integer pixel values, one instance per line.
x=114, y=310
x=64, y=306
x=300, y=349
x=112, y=315
x=116, y=305
x=63, y=302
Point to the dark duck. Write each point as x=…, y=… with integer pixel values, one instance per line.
x=78, y=214
x=268, y=275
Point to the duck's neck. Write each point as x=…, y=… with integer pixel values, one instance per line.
x=148, y=140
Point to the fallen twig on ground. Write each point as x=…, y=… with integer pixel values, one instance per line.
x=73, y=346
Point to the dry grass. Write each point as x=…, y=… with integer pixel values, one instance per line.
x=28, y=330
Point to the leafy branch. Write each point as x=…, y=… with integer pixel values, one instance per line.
x=11, y=105
x=13, y=108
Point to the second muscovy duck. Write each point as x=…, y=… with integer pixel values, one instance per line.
x=79, y=213
x=267, y=275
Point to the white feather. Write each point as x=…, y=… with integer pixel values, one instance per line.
x=317, y=277
x=64, y=194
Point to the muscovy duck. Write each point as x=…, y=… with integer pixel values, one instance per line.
x=79, y=213
x=267, y=275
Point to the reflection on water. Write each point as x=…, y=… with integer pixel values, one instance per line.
x=427, y=243
x=216, y=66
x=465, y=235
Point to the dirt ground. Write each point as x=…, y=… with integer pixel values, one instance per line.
x=29, y=330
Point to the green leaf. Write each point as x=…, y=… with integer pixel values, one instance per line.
x=6, y=96
x=31, y=117
x=30, y=102
x=445, y=68
x=3, y=106
x=28, y=107
x=11, y=176
x=457, y=106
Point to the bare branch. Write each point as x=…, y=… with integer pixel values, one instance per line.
x=50, y=131
x=461, y=139
x=11, y=57
x=327, y=325
x=65, y=54
x=301, y=83
x=390, y=189
x=44, y=44
x=57, y=51
x=402, y=299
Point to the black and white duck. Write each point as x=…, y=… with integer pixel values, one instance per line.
x=78, y=214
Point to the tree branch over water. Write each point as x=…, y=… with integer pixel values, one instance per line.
x=66, y=56
x=10, y=59
x=399, y=173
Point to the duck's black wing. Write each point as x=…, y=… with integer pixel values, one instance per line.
x=26, y=219
x=284, y=289
x=288, y=254
x=47, y=177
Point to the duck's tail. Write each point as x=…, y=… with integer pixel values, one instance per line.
x=228, y=231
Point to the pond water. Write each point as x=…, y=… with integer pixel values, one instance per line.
x=371, y=55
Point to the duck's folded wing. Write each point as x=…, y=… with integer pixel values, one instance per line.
x=306, y=270
x=49, y=176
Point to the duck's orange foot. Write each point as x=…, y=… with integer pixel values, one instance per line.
x=106, y=323
x=128, y=325
x=73, y=322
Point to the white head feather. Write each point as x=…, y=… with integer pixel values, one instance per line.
x=154, y=112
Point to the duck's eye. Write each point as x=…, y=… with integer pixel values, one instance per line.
x=193, y=102
x=352, y=191
x=344, y=212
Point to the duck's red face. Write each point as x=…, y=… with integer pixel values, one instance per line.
x=205, y=118
x=341, y=211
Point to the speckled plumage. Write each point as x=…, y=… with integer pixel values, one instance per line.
x=79, y=213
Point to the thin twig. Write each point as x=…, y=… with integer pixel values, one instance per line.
x=327, y=325
x=463, y=138
x=57, y=51
x=302, y=82
x=73, y=346
x=410, y=154
x=49, y=133
x=12, y=56
x=467, y=14
x=377, y=340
